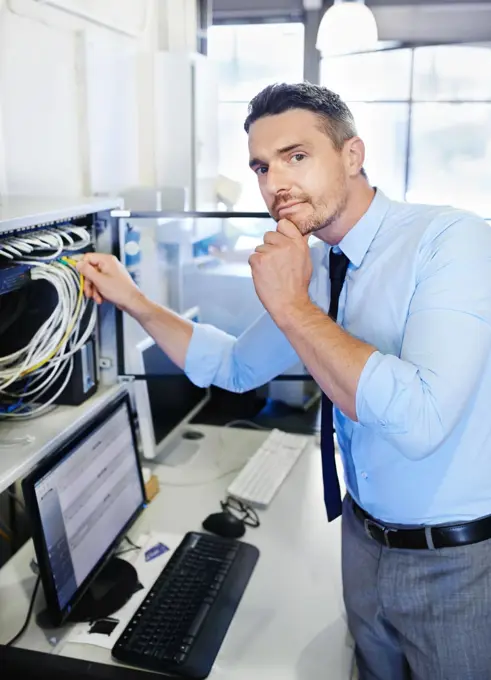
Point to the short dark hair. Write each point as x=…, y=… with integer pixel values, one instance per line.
x=334, y=115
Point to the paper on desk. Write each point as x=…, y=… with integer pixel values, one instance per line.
x=147, y=574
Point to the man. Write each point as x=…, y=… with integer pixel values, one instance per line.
x=407, y=367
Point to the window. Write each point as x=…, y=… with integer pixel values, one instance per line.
x=453, y=72
x=375, y=76
x=425, y=116
x=376, y=86
x=248, y=58
x=450, y=154
x=384, y=129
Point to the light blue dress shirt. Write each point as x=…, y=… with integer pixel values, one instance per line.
x=418, y=288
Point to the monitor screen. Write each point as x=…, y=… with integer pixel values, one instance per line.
x=167, y=399
x=86, y=499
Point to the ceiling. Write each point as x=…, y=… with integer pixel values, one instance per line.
x=224, y=9
x=412, y=21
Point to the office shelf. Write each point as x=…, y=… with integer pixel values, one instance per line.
x=49, y=431
x=24, y=212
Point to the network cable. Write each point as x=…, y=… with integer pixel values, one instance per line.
x=51, y=242
x=28, y=373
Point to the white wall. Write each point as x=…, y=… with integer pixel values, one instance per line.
x=69, y=90
x=177, y=25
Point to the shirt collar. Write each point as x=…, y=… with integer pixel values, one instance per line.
x=358, y=240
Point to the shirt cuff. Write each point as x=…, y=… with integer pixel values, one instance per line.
x=382, y=382
x=204, y=357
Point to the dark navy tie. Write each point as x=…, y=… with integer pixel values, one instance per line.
x=338, y=264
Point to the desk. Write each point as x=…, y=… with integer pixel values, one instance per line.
x=290, y=624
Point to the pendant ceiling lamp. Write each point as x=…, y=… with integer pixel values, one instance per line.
x=347, y=26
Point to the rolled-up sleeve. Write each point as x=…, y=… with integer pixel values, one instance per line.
x=417, y=399
x=207, y=347
x=257, y=356
x=238, y=364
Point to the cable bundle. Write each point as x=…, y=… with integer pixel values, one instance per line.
x=53, y=242
x=28, y=373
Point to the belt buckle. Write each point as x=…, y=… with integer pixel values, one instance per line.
x=369, y=523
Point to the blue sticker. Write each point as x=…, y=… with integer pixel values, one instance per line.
x=154, y=552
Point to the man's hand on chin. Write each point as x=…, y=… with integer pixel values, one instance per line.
x=281, y=270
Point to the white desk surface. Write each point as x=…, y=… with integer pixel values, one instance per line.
x=290, y=624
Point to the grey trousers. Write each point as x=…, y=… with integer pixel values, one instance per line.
x=417, y=614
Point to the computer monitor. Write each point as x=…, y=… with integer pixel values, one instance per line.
x=81, y=500
x=166, y=401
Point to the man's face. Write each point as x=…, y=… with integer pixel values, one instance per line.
x=302, y=177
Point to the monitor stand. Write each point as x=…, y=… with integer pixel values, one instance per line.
x=182, y=448
x=110, y=590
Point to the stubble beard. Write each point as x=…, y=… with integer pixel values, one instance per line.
x=321, y=218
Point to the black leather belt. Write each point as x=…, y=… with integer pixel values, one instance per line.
x=426, y=538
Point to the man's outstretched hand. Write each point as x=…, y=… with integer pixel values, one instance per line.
x=107, y=279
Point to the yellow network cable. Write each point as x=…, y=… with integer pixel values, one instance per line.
x=65, y=260
x=70, y=260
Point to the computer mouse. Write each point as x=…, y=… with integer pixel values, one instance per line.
x=224, y=524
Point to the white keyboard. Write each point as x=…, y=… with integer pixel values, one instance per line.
x=264, y=473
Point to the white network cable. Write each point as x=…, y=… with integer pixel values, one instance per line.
x=28, y=373
x=50, y=241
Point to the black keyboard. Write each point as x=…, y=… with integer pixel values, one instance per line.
x=180, y=626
